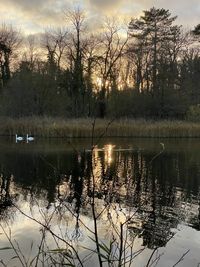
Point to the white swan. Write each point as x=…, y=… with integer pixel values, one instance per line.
x=29, y=138
x=18, y=138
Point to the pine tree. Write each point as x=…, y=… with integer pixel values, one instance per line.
x=154, y=30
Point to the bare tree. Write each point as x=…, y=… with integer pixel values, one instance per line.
x=91, y=61
x=9, y=42
x=76, y=18
x=113, y=43
x=30, y=51
x=55, y=42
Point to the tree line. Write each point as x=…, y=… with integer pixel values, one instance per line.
x=149, y=68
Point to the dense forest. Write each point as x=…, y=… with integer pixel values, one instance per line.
x=149, y=68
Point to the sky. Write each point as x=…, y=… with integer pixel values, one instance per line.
x=34, y=16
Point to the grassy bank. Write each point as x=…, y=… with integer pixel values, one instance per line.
x=56, y=127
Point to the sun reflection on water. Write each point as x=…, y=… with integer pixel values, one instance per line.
x=108, y=153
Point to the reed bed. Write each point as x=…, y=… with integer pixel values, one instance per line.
x=57, y=127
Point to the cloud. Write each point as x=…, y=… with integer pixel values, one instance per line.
x=187, y=10
x=35, y=15
x=106, y=5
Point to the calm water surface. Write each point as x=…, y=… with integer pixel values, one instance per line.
x=157, y=190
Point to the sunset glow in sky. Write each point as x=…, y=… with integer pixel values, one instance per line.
x=32, y=16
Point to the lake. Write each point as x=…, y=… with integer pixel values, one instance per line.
x=140, y=196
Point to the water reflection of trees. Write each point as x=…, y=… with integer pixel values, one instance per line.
x=160, y=190
x=156, y=189
x=7, y=196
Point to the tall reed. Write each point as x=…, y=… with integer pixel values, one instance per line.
x=58, y=127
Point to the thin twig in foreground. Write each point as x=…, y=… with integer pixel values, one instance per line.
x=181, y=258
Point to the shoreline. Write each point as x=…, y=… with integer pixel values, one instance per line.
x=82, y=128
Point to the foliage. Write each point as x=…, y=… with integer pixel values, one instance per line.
x=193, y=113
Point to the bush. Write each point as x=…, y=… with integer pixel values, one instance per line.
x=193, y=113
